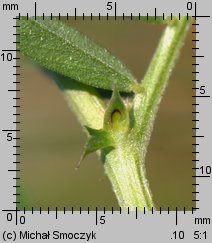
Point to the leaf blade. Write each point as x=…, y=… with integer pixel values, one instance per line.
x=62, y=49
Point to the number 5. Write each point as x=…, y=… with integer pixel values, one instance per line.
x=109, y=5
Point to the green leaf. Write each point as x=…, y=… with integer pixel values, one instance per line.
x=60, y=48
x=116, y=115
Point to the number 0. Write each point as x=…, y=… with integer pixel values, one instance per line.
x=189, y=5
x=9, y=217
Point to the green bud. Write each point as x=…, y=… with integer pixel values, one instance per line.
x=116, y=115
x=116, y=122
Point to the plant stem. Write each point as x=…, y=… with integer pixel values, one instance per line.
x=155, y=81
x=128, y=181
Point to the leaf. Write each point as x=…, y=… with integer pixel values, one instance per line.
x=116, y=115
x=99, y=139
x=60, y=48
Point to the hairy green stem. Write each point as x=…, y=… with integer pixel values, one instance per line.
x=128, y=181
x=155, y=81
